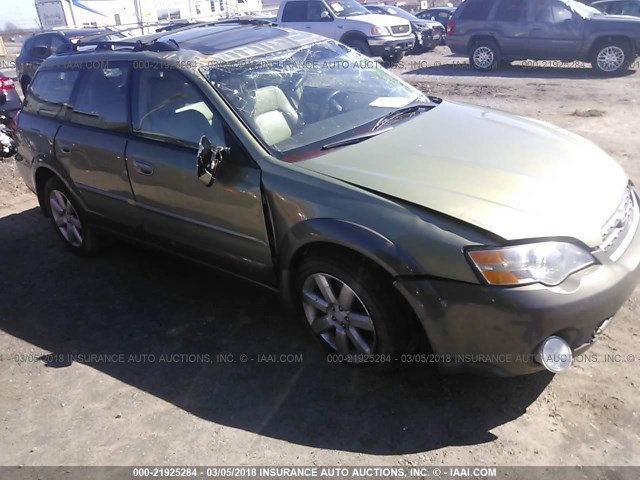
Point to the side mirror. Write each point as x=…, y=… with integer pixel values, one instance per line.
x=209, y=159
x=326, y=17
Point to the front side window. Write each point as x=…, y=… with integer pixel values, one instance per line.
x=50, y=92
x=168, y=107
x=511, y=11
x=551, y=11
x=476, y=9
x=317, y=12
x=296, y=101
x=102, y=99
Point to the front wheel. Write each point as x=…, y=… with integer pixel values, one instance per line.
x=485, y=55
x=611, y=58
x=359, y=46
x=68, y=219
x=393, y=59
x=348, y=307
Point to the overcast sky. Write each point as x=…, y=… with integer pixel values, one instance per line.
x=20, y=12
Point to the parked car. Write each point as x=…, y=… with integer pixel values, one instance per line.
x=491, y=31
x=618, y=7
x=350, y=23
x=40, y=46
x=291, y=160
x=439, y=14
x=427, y=37
x=9, y=99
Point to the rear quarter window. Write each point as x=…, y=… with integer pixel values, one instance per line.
x=49, y=92
x=476, y=9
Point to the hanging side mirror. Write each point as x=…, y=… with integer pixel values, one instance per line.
x=209, y=160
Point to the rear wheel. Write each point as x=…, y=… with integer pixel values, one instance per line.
x=349, y=309
x=611, y=57
x=68, y=219
x=485, y=55
x=359, y=46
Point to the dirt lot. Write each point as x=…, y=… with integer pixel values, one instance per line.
x=168, y=410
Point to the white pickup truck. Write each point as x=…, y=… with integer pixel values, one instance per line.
x=349, y=22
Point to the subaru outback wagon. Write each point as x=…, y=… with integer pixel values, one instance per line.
x=295, y=162
x=495, y=31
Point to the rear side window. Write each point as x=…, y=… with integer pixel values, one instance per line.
x=511, y=11
x=102, y=99
x=295, y=12
x=49, y=92
x=476, y=9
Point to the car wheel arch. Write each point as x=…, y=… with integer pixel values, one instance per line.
x=41, y=176
x=353, y=35
x=610, y=38
x=323, y=248
x=479, y=38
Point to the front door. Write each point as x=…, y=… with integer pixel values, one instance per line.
x=223, y=223
x=555, y=32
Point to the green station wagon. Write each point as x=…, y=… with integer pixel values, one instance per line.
x=292, y=161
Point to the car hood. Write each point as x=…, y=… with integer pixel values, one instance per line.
x=615, y=19
x=515, y=177
x=378, y=20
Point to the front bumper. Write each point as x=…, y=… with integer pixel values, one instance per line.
x=497, y=330
x=385, y=46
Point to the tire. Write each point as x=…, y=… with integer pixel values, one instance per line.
x=485, y=55
x=24, y=84
x=360, y=316
x=611, y=57
x=391, y=60
x=68, y=219
x=359, y=46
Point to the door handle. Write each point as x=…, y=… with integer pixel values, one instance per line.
x=142, y=167
x=64, y=148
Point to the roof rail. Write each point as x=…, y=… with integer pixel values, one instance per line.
x=139, y=45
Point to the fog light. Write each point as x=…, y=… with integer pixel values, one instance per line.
x=555, y=354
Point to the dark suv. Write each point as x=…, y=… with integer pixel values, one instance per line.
x=40, y=46
x=491, y=31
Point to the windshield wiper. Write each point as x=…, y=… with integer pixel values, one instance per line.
x=352, y=140
x=400, y=112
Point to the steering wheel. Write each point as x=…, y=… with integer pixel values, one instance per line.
x=333, y=105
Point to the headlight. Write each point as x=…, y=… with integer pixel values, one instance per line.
x=549, y=263
x=380, y=31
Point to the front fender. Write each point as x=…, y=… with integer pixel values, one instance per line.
x=365, y=241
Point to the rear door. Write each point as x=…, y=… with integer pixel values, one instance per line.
x=45, y=108
x=509, y=22
x=91, y=145
x=222, y=224
x=555, y=32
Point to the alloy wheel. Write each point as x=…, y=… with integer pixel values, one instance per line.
x=66, y=218
x=336, y=313
x=610, y=58
x=483, y=57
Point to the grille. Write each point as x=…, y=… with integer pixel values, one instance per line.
x=399, y=29
x=618, y=231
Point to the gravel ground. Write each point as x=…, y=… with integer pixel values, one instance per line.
x=105, y=407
